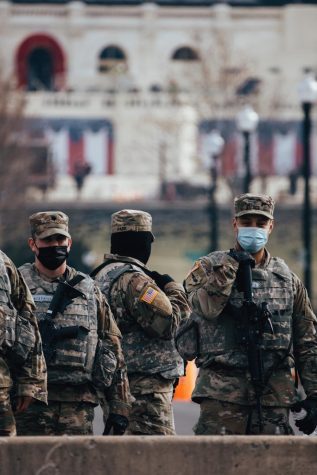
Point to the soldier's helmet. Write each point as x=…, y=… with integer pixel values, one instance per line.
x=47, y=223
x=131, y=220
x=250, y=203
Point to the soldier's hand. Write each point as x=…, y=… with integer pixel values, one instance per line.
x=242, y=257
x=160, y=279
x=117, y=423
x=309, y=423
x=22, y=403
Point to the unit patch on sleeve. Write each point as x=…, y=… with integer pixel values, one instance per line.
x=149, y=295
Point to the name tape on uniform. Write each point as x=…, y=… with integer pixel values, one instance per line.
x=42, y=298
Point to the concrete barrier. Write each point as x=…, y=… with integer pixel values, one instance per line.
x=210, y=455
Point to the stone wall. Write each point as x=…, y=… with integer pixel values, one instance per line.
x=238, y=455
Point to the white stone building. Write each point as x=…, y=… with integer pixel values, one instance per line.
x=131, y=86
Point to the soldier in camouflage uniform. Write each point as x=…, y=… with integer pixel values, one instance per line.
x=148, y=307
x=223, y=387
x=81, y=340
x=22, y=364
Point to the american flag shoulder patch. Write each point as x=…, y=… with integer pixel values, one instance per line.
x=149, y=295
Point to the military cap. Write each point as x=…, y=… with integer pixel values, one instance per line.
x=131, y=220
x=249, y=203
x=47, y=223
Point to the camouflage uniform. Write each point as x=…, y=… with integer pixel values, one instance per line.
x=148, y=319
x=22, y=365
x=223, y=387
x=82, y=369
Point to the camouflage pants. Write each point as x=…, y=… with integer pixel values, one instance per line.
x=7, y=421
x=58, y=418
x=218, y=417
x=151, y=412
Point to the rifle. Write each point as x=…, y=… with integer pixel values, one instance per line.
x=50, y=332
x=255, y=320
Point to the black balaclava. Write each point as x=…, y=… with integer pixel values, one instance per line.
x=132, y=244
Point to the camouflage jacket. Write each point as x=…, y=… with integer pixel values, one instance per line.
x=27, y=376
x=71, y=370
x=222, y=358
x=147, y=316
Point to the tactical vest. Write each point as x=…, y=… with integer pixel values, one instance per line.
x=73, y=359
x=142, y=353
x=219, y=342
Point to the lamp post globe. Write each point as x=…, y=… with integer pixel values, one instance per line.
x=215, y=143
x=247, y=122
x=215, y=146
x=307, y=92
x=307, y=89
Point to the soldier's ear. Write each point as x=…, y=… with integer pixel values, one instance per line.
x=70, y=242
x=32, y=245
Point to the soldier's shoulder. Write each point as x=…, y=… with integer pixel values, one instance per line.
x=216, y=258
x=27, y=267
x=134, y=277
x=279, y=266
x=6, y=260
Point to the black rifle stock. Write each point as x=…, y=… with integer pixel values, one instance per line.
x=255, y=320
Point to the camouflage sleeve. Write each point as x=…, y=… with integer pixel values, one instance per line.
x=158, y=313
x=209, y=284
x=21, y=296
x=118, y=394
x=305, y=338
x=30, y=378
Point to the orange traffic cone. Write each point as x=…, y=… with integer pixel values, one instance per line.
x=186, y=383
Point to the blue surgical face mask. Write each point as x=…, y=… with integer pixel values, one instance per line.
x=252, y=239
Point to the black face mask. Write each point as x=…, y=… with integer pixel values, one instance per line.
x=132, y=244
x=53, y=256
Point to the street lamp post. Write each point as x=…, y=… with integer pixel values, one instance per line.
x=247, y=121
x=307, y=91
x=215, y=144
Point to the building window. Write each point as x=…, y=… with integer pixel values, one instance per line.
x=249, y=86
x=40, y=70
x=185, y=54
x=40, y=64
x=112, y=59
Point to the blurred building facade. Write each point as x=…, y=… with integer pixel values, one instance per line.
x=133, y=88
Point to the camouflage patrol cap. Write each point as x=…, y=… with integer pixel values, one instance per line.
x=47, y=223
x=249, y=203
x=131, y=220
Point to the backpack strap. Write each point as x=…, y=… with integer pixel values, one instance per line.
x=94, y=272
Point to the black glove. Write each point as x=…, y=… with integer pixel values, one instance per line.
x=309, y=423
x=160, y=279
x=116, y=422
x=242, y=257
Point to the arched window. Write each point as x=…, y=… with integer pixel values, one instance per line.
x=40, y=70
x=40, y=64
x=112, y=58
x=185, y=54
